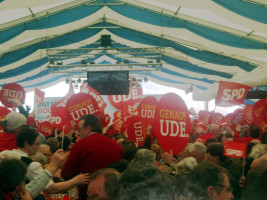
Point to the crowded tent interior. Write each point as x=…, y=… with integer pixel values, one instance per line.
x=133, y=99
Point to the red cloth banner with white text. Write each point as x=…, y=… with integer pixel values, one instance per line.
x=12, y=91
x=235, y=149
x=85, y=88
x=231, y=93
x=39, y=96
x=172, y=123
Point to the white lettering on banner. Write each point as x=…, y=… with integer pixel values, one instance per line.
x=218, y=120
x=138, y=129
x=46, y=129
x=238, y=118
x=44, y=110
x=250, y=118
x=232, y=152
x=132, y=95
x=83, y=111
x=12, y=93
x=229, y=94
x=148, y=113
x=179, y=127
x=56, y=120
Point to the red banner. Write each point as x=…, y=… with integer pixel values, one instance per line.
x=85, y=88
x=39, y=96
x=237, y=117
x=58, y=116
x=172, y=124
x=231, y=93
x=206, y=117
x=258, y=107
x=235, y=149
x=45, y=128
x=146, y=110
x=118, y=125
x=247, y=115
x=217, y=118
x=134, y=97
x=12, y=91
x=81, y=104
x=135, y=131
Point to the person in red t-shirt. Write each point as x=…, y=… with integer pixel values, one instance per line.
x=253, y=133
x=93, y=152
x=213, y=132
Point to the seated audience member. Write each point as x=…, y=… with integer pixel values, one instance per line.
x=12, y=176
x=254, y=187
x=12, y=122
x=215, y=154
x=258, y=163
x=129, y=149
x=102, y=184
x=151, y=184
x=144, y=158
x=253, y=133
x=199, y=152
x=53, y=144
x=212, y=132
x=187, y=165
x=214, y=180
x=45, y=149
x=28, y=145
x=120, y=165
x=210, y=142
x=258, y=150
x=92, y=152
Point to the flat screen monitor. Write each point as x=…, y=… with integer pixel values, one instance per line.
x=109, y=82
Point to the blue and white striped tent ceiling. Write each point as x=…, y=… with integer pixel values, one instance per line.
x=205, y=41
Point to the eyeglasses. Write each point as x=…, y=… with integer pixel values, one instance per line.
x=228, y=189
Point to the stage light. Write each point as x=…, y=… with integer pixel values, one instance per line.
x=118, y=62
x=83, y=62
x=73, y=81
x=79, y=80
x=126, y=61
x=92, y=62
x=140, y=80
x=76, y=86
x=59, y=63
x=51, y=62
x=134, y=79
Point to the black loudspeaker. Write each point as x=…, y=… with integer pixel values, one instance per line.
x=105, y=40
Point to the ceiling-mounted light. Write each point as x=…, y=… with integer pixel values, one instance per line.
x=59, y=62
x=150, y=61
x=76, y=86
x=51, y=62
x=92, y=62
x=158, y=60
x=140, y=80
x=79, y=80
x=118, y=62
x=83, y=62
x=67, y=81
x=126, y=61
x=134, y=79
x=145, y=79
x=73, y=81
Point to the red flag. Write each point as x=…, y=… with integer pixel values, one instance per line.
x=85, y=88
x=39, y=96
x=235, y=149
x=230, y=94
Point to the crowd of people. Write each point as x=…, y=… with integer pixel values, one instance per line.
x=91, y=164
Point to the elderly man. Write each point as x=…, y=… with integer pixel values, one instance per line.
x=213, y=132
x=214, y=180
x=93, y=152
x=102, y=184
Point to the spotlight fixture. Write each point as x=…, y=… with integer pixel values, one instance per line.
x=92, y=62
x=79, y=80
x=158, y=60
x=67, y=81
x=83, y=62
x=85, y=80
x=133, y=85
x=73, y=81
x=118, y=62
x=51, y=62
x=59, y=63
x=126, y=61
x=140, y=80
x=150, y=61
x=134, y=79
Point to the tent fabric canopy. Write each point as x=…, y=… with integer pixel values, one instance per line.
x=204, y=42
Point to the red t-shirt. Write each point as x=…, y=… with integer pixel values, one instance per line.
x=204, y=138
